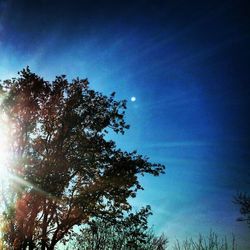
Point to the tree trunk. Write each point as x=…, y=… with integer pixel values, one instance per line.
x=44, y=226
x=24, y=245
x=31, y=245
x=51, y=247
x=43, y=244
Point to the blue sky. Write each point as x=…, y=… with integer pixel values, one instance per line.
x=187, y=64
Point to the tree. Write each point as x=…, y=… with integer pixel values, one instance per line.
x=210, y=242
x=65, y=172
x=243, y=200
x=129, y=232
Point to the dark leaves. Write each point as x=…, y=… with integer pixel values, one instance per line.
x=243, y=200
x=73, y=172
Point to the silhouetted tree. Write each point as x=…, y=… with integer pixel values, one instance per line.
x=129, y=232
x=243, y=200
x=210, y=242
x=65, y=172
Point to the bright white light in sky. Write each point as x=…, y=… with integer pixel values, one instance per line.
x=4, y=148
x=133, y=99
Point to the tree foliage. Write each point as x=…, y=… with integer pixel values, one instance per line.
x=243, y=200
x=65, y=172
x=129, y=232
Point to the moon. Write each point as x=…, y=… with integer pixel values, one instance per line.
x=133, y=99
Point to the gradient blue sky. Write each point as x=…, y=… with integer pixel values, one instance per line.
x=187, y=64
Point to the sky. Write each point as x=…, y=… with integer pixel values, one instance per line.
x=187, y=65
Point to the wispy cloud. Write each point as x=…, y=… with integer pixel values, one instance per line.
x=171, y=144
x=195, y=143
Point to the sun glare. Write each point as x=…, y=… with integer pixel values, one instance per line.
x=4, y=147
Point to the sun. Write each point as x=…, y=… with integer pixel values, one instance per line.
x=4, y=147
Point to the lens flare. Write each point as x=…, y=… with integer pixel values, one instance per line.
x=4, y=147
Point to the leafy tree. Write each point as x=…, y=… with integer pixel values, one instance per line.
x=129, y=232
x=65, y=172
x=243, y=200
